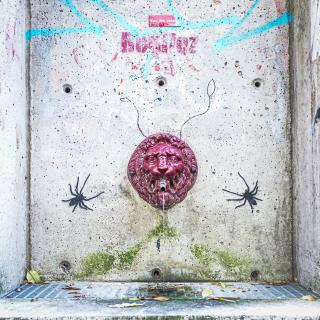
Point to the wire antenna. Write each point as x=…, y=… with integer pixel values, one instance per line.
x=211, y=88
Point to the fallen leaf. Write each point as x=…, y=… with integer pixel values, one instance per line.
x=134, y=299
x=71, y=288
x=224, y=299
x=126, y=305
x=309, y=298
x=33, y=277
x=219, y=284
x=206, y=293
x=161, y=298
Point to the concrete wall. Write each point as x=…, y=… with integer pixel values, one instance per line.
x=13, y=144
x=306, y=134
x=243, y=46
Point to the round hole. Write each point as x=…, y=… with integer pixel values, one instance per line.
x=67, y=88
x=156, y=273
x=257, y=83
x=65, y=266
x=161, y=81
x=255, y=275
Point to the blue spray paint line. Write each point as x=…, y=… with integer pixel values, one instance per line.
x=133, y=30
x=91, y=28
x=174, y=11
x=150, y=62
x=225, y=42
x=239, y=23
x=49, y=32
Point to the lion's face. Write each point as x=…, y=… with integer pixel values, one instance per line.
x=162, y=169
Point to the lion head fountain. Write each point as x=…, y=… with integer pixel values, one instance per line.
x=162, y=169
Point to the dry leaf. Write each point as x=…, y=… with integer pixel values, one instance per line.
x=71, y=288
x=134, y=299
x=126, y=305
x=161, y=298
x=223, y=299
x=33, y=277
x=206, y=293
x=220, y=284
x=309, y=298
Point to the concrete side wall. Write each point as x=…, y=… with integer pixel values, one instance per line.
x=306, y=136
x=13, y=144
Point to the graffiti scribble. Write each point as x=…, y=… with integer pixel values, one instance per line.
x=246, y=196
x=211, y=88
x=79, y=198
x=230, y=38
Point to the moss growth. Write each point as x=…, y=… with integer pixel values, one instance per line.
x=102, y=262
x=98, y=263
x=235, y=266
x=203, y=254
x=125, y=259
x=162, y=230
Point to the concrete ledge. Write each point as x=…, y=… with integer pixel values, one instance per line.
x=92, y=300
x=69, y=309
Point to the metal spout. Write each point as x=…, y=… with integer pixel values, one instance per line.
x=163, y=185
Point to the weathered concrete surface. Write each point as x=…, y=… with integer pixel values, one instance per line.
x=41, y=309
x=306, y=137
x=13, y=144
x=89, y=130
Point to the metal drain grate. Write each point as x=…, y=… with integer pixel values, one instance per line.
x=183, y=291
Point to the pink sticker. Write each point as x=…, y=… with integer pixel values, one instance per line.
x=162, y=21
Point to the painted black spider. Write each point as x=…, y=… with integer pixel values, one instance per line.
x=79, y=198
x=247, y=195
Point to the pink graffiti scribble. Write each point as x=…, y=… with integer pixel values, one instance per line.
x=163, y=43
x=10, y=39
x=115, y=57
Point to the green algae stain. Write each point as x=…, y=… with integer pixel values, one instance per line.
x=203, y=254
x=98, y=263
x=163, y=230
x=235, y=266
x=102, y=262
x=125, y=259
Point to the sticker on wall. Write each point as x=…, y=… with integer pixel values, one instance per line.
x=78, y=198
x=248, y=195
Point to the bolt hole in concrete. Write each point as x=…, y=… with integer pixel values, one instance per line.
x=161, y=81
x=67, y=88
x=65, y=266
x=255, y=275
x=257, y=83
x=156, y=273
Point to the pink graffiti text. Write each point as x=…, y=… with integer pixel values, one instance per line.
x=163, y=43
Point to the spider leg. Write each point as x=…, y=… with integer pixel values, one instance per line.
x=85, y=182
x=244, y=180
x=236, y=199
x=81, y=206
x=241, y=205
x=257, y=198
x=255, y=189
x=251, y=206
x=77, y=185
x=94, y=196
x=71, y=190
x=86, y=207
x=67, y=200
x=237, y=194
x=75, y=206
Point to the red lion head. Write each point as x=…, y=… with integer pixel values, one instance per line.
x=162, y=169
